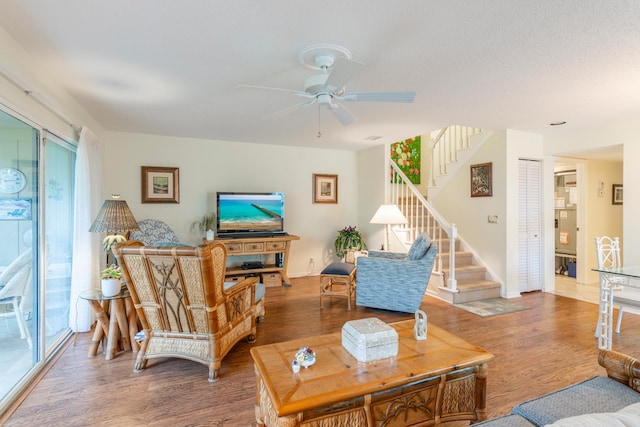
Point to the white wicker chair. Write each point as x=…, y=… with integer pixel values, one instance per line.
x=608, y=251
x=15, y=289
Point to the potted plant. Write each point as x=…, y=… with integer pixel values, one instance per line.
x=111, y=280
x=205, y=225
x=111, y=240
x=349, y=240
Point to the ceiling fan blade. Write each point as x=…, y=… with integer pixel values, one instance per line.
x=295, y=92
x=289, y=109
x=343, y=115
x=407, y=97
x=342, y=71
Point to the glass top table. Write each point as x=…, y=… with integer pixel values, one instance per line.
x=117, y=322
x=96, y=294
x=612, y=279
x=630, y=272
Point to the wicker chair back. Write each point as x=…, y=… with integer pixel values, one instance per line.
x=182, y=304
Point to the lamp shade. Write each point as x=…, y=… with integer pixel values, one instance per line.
x=114, y=217
x=388, y=214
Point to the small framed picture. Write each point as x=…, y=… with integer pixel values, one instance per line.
x=481, y=180
x=325, y=188
x=15, y=209
x=160, y=185
x=617, y=194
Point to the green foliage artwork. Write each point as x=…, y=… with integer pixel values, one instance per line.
x=406, y=154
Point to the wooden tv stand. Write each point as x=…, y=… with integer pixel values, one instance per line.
x=260, y=246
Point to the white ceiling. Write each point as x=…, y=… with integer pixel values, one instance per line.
x=170, y=67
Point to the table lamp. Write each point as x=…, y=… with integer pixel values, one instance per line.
x=116, y=219
x=388, y=214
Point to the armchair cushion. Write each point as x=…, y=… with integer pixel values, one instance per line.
x=419, y=247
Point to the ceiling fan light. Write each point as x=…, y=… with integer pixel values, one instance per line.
x=325, y=99
x=315, y=84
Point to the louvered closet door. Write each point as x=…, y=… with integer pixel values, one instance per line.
x=530, y=226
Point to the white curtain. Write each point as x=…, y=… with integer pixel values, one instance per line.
x=87, y=250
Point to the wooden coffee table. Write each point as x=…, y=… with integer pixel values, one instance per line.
x=435, y=381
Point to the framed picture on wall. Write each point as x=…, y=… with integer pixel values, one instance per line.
x=325, y=188
x=160, y=185
x=481, y=180
x=617, y=194
x=15, y=209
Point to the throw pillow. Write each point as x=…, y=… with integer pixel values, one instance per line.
x=419, y=247
x=625, y=417
x=169, y=244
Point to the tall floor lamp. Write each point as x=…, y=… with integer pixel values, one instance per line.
x=388, y=214
x=115, y=219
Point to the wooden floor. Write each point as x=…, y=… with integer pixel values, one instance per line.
x=536, y=351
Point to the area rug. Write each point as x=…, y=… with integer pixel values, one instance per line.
x=491, y=307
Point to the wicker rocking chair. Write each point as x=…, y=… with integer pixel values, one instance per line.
x=182, y=303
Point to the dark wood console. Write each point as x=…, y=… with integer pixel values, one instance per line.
x=260, y=246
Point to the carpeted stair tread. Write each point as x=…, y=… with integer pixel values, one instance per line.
x=477, y=284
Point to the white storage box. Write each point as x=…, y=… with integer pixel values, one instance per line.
x=369, y=339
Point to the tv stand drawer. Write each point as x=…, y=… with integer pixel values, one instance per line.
x=276, y=246
x=254, y=247
x=234, y=248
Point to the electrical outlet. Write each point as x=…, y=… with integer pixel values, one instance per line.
x=310, y=260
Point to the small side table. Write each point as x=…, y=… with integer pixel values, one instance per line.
x=338, y=279
x=117, y=322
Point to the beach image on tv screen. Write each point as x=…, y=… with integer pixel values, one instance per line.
x=250, y=212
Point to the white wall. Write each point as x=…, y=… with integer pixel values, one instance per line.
x=602, y=217
x=631, y=206
x=20, y=66
x=372, y=178
x=207, y=166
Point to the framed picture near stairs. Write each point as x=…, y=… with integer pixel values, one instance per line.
x=481, y=180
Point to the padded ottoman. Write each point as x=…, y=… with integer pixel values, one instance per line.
x=338, y=279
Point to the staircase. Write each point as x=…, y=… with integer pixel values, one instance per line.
x=473, y=283
x=457, y=276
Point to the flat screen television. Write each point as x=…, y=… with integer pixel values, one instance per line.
x=246, y=214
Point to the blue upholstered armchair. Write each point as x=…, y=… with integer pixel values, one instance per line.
x=395, y=281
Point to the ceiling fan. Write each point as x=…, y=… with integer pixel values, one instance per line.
x=328, y=87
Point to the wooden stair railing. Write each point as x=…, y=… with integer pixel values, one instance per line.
x=445, y=147
x=421, y=216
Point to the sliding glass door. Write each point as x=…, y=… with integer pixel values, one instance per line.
x=19, y=143
x=59, y=160
x=36, y=213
